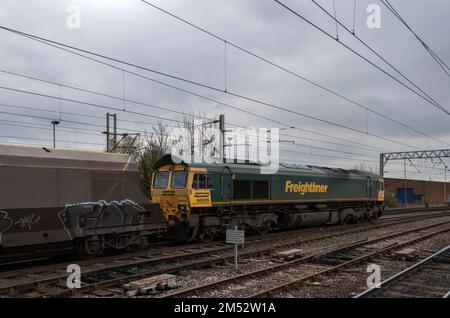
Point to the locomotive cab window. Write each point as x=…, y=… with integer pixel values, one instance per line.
x=179, y=179
x=203, y=181
x=161, y=180
x=260, y=190
x=242, y=189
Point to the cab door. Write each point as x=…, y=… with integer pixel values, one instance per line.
x=200, y=190
x=226, y=185
x=368, y=188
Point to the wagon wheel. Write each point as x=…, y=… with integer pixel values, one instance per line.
x=85, y=250
x=143, y=243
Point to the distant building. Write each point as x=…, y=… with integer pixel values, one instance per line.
x=418, y=192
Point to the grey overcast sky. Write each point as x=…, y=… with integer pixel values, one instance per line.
x=132, y=31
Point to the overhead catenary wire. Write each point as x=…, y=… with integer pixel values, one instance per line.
x=387, y=117
x=430, y=101
x=45, y=139
x=42, y=127
x=378, y=55
x=87, y=103
x=61, y=145
x=32, y=108
x=122, y=99
x=328, y=156
x=302, y=145
x=159, y=117
x=182, y=90
x=435, y=56
x=219, y=90
x=101, y=94
x=65, y=120
x=90, y=124
x=147, y=123
x=315, y=155
x=83, y=115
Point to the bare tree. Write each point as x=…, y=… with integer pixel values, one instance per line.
x=155, y=145
x=196, y=137
x=366, y=167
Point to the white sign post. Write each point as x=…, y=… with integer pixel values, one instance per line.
x=235, y=237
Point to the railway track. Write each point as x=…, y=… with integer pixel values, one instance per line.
x=428, y=278
x=42, y=260
x=396, y=211
x=108, y=272
x=8, y=269
x=169, y=247
x=315, y=265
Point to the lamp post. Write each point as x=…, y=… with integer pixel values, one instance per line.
x=54, y=123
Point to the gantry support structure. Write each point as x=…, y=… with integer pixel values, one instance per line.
x=409, y=155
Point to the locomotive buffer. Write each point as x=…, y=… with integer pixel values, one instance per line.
x=235, y=237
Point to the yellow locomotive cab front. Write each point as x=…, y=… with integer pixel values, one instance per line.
x=174, y=188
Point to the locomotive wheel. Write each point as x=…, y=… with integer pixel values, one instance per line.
x=207, y=235
x=348, y=219
x=265, y=228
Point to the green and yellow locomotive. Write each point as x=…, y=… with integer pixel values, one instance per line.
x=203, y=200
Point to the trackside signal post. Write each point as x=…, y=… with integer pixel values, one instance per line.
x=235, y=237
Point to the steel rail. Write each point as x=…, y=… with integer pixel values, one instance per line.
x=194, y=290
x=271, y=291
x=203, y=262
x=395, y=278
x=121, y=263
x=341, y=230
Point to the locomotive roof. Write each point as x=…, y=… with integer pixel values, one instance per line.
x=284, y=168
x=12, y=155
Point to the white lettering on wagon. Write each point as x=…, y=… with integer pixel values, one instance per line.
x=28, y=221
x=5, y=223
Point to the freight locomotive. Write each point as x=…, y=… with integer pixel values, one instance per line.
x=203, y=200
x=56, y=201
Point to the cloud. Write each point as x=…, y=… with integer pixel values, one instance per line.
x=135, y=32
